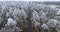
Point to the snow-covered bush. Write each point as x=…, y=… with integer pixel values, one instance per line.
x=42, y=14
x=45, y=26
x=58, y=12
x=11, y=22
x=52, y=23
x=35, y=16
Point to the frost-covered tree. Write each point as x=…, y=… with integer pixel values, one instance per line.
x=42, y=14
x=9, y=13
x=19, y=13
x=15, y=13
x=36, y=18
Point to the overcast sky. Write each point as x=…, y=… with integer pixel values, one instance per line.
x=29, y=0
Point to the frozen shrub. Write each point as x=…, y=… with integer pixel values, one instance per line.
x=35, y=16
x=11, y=22
x=58, y=12
x=52, y=23
x=15, y=12
x=4, y=9
x=42, y=14
x=37, y=23
x=44, y=26
x=23, y=13
x=19, y=13
x=9, y=13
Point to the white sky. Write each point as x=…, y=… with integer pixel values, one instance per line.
x=29, y=0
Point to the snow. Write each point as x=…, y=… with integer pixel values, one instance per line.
x=44, y=26
x=11, y=21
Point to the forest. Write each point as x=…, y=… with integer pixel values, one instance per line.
x=23, y=16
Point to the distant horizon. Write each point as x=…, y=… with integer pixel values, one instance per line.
x=30, y=0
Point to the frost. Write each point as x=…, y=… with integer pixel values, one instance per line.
x=19, y=13
x=58, y=12
x=35, y=16
x=11, y=22
x=52, y=23
x=44, y=26
x=42, y=14
x=14, y=16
